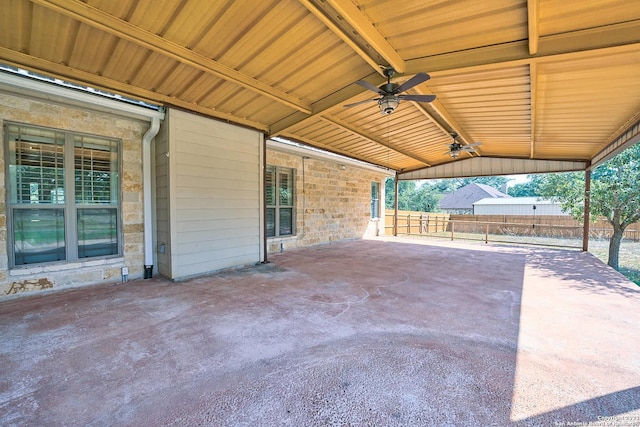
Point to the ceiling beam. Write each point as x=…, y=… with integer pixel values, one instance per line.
x=450, y=122
x=370, y=138
x=533, y=24
x=490, y=166
x=96, y=18
x=338, y=97
x=363, y=26
x=316, y=144
x=318, y=13
x=566, y=46
x=47, y=68
x=629, y=136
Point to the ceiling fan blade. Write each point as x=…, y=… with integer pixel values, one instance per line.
x=365, y=84
x=475, y=144
x=360, y=102
x=413, y=81
x=469, y=149
x=418, y=98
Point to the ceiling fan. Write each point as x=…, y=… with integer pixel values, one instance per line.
x=456, y=148
x=389, y=92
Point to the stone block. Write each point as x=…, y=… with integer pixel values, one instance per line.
x=44, y=109
x=131, y=228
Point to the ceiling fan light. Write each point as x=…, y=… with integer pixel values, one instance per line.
x=388, y=104
x=455, y=154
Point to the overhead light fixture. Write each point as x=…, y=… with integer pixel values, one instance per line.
x=388, y=104
x=454, y=154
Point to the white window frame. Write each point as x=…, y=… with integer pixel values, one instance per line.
x=65, y=201
x=278, y=206
x=375, y=201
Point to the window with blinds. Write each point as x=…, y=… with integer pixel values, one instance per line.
x=280, y=199
x=63, y=195
x=375, y=199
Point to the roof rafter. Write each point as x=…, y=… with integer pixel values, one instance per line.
x=557, y=46
x=533, y=24
x=441, y=111
x=45, y=67
x=96, y=18
x=319, y=107
x=365, y=28
x=330, y=149
x=346, y=126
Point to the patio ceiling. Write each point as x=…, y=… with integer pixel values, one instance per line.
x=537, y=80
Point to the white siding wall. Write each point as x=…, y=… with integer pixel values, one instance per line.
x=163, y=229
x=507, y=209
x=215, y=194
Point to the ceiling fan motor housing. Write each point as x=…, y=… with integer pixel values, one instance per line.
x=388, y=103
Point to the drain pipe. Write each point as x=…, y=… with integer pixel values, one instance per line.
x=146, y=195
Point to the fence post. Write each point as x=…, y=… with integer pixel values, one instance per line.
x=409, y=225
x=486, y=235
x=452, y=224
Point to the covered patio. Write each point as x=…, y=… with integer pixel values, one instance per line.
x=386, y=331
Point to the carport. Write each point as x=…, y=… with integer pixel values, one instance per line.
x=381, y=332
x=364, y=332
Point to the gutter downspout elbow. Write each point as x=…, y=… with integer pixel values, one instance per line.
x=146, y=195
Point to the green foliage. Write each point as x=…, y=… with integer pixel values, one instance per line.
x=615, y=189
x=615, y=194
x=530, y=188
x=426, y=196
x=412, y=196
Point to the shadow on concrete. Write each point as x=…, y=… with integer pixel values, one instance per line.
x=593, y=275
x=611, y=409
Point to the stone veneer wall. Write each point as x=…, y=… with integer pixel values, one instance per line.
x=56, y=276
x=333, y=205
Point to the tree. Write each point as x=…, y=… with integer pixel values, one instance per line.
x=412, y=196
x=530, y=188
x=615, y=194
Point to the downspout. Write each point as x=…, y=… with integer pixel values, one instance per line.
x=265, y=246
x=146, y=194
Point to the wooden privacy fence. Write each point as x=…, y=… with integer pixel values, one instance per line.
x=552, y=226
x=412, y=222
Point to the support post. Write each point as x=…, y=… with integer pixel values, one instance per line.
x=395, y=206
x=587, y=204
x=486, y=235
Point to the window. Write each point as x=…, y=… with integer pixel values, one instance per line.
x=280, y=214
x=375, y=200
x=63, y=195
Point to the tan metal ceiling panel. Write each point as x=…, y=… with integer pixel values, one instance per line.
x=125, y=59
x=492, y=106
x=577, y=101
x=561, y=16
x=344, y=142
x=417, y=28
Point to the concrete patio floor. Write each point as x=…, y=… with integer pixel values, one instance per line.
x=378, y=332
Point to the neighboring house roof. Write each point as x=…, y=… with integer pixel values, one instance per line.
x=465, y=197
